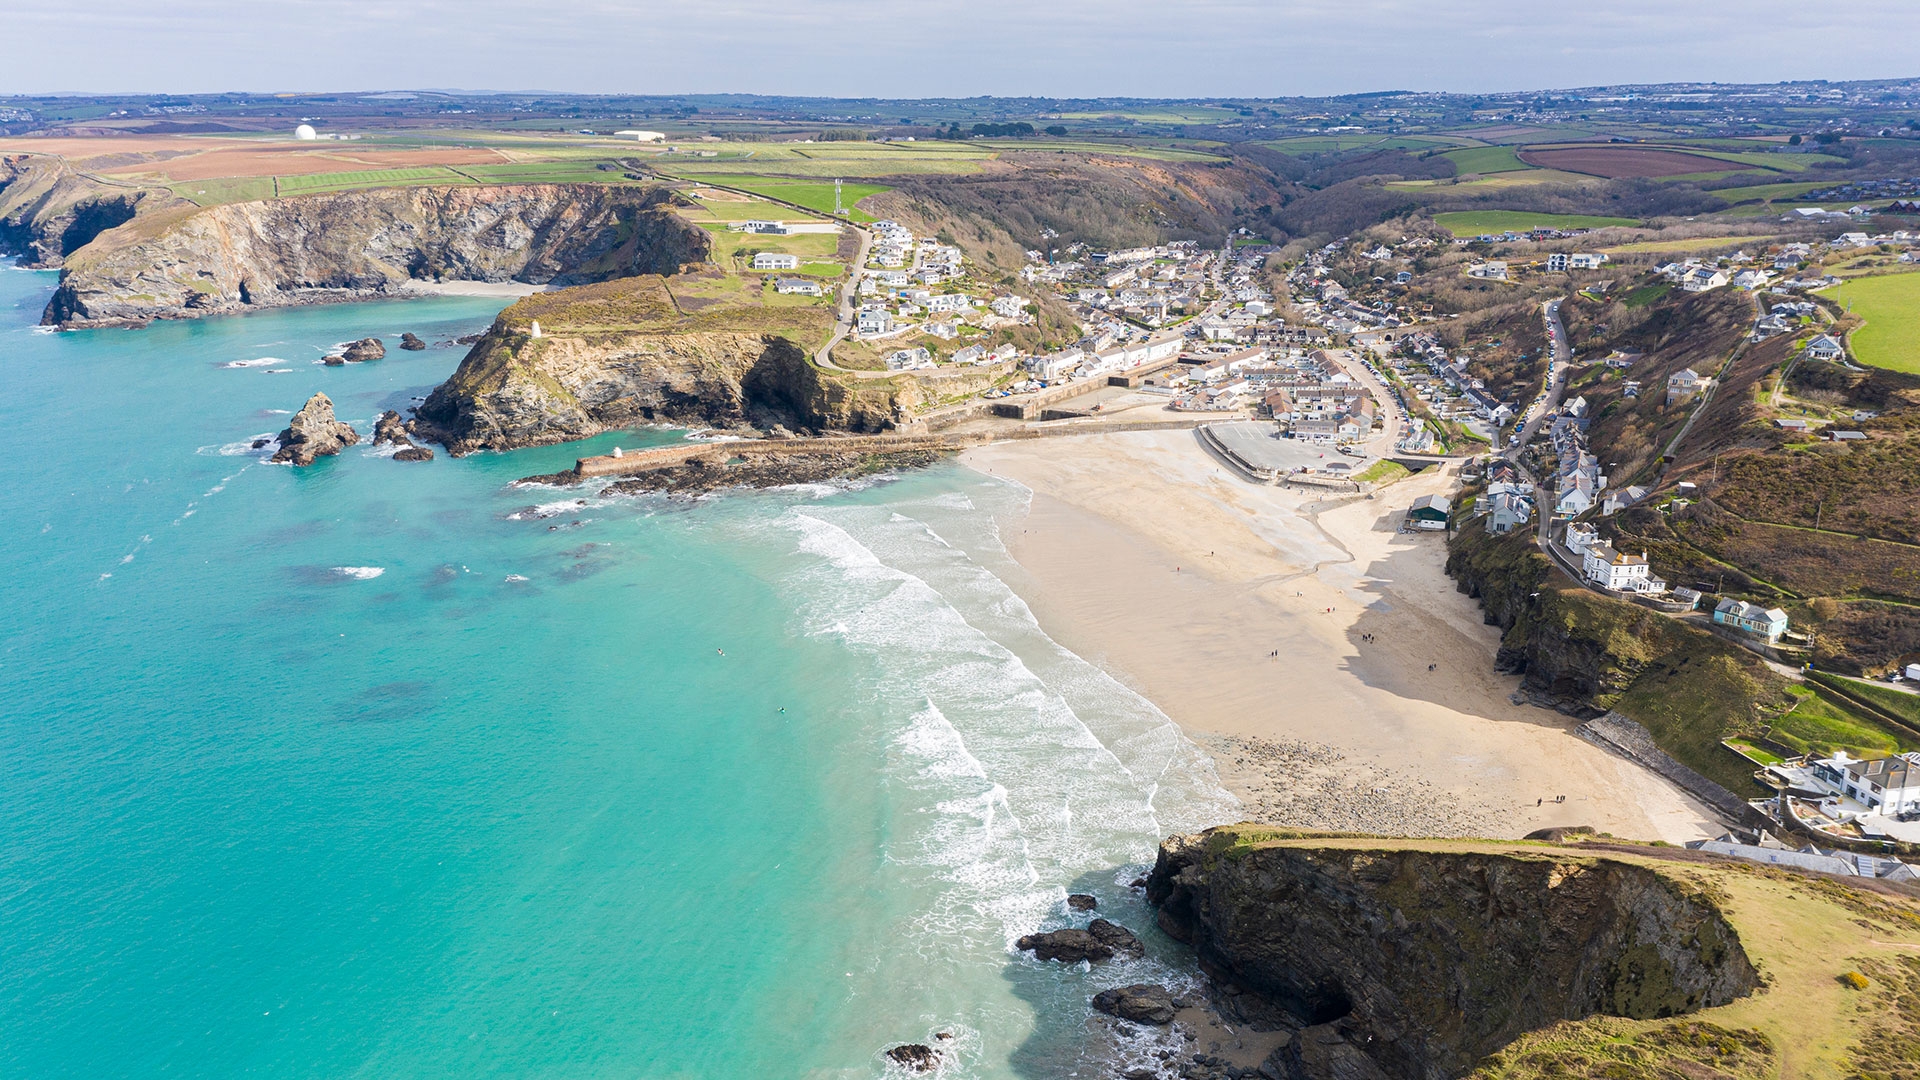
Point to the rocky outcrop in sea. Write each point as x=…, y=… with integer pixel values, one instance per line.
x=1101, y=940
x=391, y=430
x=410, y=342
x=314, y=433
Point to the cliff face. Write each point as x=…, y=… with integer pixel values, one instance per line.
x=1427, y=961
x=646, y=349
x=47, y=211
x=351, y=245
x=515, y=390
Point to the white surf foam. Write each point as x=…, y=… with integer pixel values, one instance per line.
x=1024, y=797
x=360, y=573
x=258, y=362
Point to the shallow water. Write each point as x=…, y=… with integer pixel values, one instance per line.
x=394, y=770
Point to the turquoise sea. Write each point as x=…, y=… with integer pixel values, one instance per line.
x=393, y=770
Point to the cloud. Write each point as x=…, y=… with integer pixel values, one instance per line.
x=936, y=48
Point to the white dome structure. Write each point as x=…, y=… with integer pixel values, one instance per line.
x=305, y=133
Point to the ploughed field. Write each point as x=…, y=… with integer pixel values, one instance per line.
x=1616, y=162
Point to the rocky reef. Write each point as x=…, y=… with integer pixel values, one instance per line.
x=1392, y=959
x=184, y=262
x=762, y=470
x=314, y=433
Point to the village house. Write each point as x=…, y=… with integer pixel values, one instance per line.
x=1429, y=512
x=1887, y=787
x=1617, y=570
x=1683, y=385
x=909, y=359
x=1768, y=623
x=773, y=260
x=797, y=287
x=874, y=320
x=1507, y=510
x=1008, y=307
x=1825, y=347
x=1703, y=279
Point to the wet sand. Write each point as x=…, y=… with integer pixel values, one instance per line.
x=1290, y=633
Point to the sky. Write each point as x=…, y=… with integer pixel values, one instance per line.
x=944, y=48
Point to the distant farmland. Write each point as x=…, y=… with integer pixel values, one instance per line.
x=1484, y=222
x=1616, y=162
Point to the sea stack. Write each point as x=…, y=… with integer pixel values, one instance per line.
x=364, y=350
x=411, y=342
x=313, y=433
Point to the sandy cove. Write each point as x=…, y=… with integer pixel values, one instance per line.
x=1145, y=555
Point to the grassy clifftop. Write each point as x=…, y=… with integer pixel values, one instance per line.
x=1593, y=960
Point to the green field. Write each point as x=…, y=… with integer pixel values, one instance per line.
x=1485, y=159
x=1822, y=723
x=1765, y=192
x=811, y=194
x=1890, y=305
x=368, y=178
x=1480, y=222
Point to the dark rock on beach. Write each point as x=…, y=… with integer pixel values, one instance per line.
x=1322, y=1052
x=412, y=343
x=1142, y=1003
x=364, y=350
x=1101, y=940
x=915, y=1057
x=313, y=433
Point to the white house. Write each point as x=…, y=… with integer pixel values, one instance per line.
x=1682, y=385
x=1580, y=536
x=1616, y=570
x=1825, y=347
x=1887, y=786
x=874, y=320
x=788, y=286
x=1008, y=307
x=949, y=302
x=909, y=359
x=773, y=260
x=1586, y=260
x=1703, y=279
x=641, y=136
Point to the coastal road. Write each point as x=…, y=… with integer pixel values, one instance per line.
x=1560, y=358
x=1382, y=400
x=844, y=326
x=824, y=358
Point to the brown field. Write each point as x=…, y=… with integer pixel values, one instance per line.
x=194, y=158
x=1617, y=161
x=299, y=159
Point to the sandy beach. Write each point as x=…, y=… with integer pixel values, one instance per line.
x=1291, y=631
